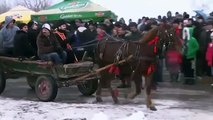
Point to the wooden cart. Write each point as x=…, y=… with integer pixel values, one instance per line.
x=46, y=78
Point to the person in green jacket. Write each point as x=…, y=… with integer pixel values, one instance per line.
x=190, y=48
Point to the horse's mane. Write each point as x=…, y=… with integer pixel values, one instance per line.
x=149, y=35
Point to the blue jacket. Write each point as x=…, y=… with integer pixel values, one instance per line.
x=8, y=33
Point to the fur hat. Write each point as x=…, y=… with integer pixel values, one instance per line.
x=21, y=25
x=46, y=26
x=117, y=24
x=210, y=20
x=132, y=24
x=61, y=22
x=177, y=21
x=91, y=23
x=101, y=26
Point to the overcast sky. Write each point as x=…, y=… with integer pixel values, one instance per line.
x=137, y=8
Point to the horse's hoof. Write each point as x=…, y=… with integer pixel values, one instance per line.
x=125, y=96
x=98, y=99
x=116, y=102
x=153, y=108
x=131, y=96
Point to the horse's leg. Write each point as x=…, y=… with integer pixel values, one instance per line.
x=113, y=94
x=102, y=81
x=98, y=92
x=135, y=86
x=148, y=87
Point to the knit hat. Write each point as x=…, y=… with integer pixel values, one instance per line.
x=30, y=24
x=46, y=26
x=21, y=25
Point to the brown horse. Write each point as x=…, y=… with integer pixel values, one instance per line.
x=145, y=54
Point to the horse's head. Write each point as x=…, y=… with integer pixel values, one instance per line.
x=167, y=37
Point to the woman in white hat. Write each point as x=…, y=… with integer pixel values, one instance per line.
x=48, y=47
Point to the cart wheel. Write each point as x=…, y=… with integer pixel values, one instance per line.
x=89, y=87
x=31, y=80
x=46, y=88
x=2, y=82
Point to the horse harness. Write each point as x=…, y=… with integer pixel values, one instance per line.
x=123, y=51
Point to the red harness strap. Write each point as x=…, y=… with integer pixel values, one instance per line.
x=114, y=69
x=154, y=41
x=150, y=69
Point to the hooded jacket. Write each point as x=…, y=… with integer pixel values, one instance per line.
x=191, y=45
x=8, y=34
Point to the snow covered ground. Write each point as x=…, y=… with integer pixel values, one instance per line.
x=32, y=110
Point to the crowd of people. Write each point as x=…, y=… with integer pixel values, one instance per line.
x=55, y=41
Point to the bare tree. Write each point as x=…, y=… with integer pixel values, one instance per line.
x=4, y=6
x=35, y=5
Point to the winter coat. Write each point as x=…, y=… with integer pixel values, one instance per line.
x=47, y=44
x=204, y=41
x=173, y=57
x=62, y=38
x=22, y=46
x=191, y=45
x=173, y=61
x=8, y=33
x=32, y=35
x=209, y=54
x=89, y=35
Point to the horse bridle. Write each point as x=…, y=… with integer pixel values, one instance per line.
x=167, y=40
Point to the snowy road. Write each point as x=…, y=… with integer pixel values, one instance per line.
x=174, y=102
x=29, y=110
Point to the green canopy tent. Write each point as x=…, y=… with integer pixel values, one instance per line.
x=74, y=9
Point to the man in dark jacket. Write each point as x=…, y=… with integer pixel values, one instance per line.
x=33, y=33
x=61, y=35
x=203, y=44
x=22, y=46
x=135, y=34
x=200, y=58
x=90, y=33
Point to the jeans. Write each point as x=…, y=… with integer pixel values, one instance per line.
x=55, y=57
